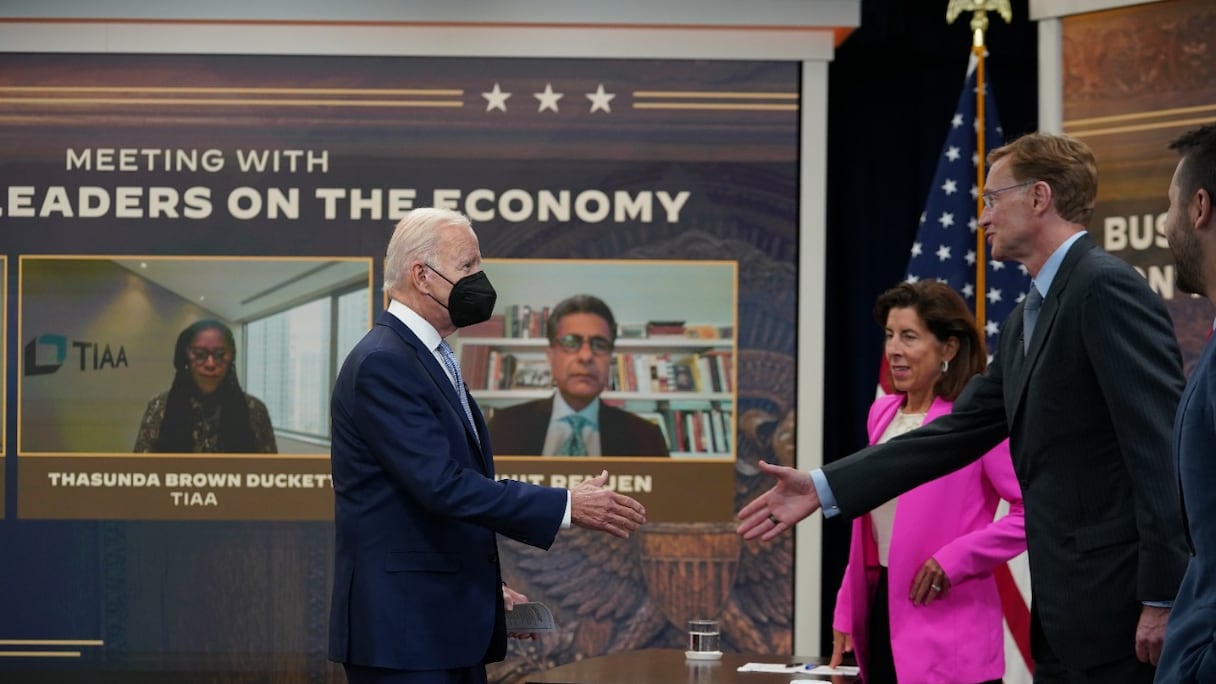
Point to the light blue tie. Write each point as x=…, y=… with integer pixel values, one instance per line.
x=1030, y=314
x=574, y=446
x=449, y=359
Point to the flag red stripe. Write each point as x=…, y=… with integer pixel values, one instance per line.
x=1017, y=614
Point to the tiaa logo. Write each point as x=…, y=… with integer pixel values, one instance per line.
x=48, y=352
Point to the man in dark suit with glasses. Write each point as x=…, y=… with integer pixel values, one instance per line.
x=575, y=421
x=1084, y=385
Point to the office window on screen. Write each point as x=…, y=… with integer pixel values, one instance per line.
x=293, y=357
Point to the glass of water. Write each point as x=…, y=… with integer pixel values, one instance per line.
x=703, y=636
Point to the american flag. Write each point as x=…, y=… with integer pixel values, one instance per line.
x=945, y=249
x=945, y=242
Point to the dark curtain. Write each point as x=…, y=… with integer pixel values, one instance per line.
x=893, y=87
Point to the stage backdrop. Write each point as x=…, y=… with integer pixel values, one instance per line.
x=1135, y=79
x=140, y=193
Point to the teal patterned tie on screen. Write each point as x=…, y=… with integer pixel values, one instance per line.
x=1030, y=314
x=449, y=359
x=574, y=446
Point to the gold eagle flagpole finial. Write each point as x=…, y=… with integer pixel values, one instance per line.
x=979, y=15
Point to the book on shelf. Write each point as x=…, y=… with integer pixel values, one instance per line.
x=664, y=328
x=474, y=365
x=665, y=372
x=500, y=371
x=525, y=320
x=631, y=331
x=698, y=427
x=684, y=381
x=719, y=364
x=532, y=374
x=495, y=326
x=491, y=369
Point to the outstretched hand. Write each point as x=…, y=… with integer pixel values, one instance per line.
x=775, y=511
x=595, y=508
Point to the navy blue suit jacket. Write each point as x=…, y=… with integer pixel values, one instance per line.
x=1190, y=637
x=417, y=584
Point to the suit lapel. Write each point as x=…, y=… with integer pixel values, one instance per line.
x=440, y=377
x=1022, y=371
x=483, y=444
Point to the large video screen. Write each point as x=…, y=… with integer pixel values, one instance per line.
x=180, y=222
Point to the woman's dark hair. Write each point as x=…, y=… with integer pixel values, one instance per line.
x=945, y=314
x=176, y=430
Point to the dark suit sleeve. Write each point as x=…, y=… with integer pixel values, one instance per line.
x=1130, y=342
x=420, y=442
x=879, y=473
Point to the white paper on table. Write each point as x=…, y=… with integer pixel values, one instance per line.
x=846, y=670
x=770, y=667
x=530, y=618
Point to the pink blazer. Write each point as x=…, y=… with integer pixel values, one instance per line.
x=958, y=638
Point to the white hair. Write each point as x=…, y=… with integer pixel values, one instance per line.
x=416, y=238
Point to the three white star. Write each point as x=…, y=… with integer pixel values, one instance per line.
x=496, y=99
x=548, y=99
x=600, y=99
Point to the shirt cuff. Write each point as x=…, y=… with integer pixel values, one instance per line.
x=566, y=515
x=827, y=500
x=1159, y=604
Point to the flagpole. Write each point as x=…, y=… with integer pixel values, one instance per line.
x=1013, y=606
x=979, y=24
x=981, y=150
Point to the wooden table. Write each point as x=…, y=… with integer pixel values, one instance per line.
x=668, y=666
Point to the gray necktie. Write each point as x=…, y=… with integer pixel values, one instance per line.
x=574, y=445
x=449, y=359
x=1030, y=314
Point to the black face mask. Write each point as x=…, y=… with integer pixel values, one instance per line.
x=471, y=300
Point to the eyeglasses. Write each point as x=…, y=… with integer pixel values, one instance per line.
x=990, y=195
x=600, y=346
x=200, y=355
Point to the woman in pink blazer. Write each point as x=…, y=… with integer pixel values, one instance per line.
x=918, y=603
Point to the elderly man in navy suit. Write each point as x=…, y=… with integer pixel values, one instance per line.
x=418, y=596
x=1189, y=655
x=1085, y=386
